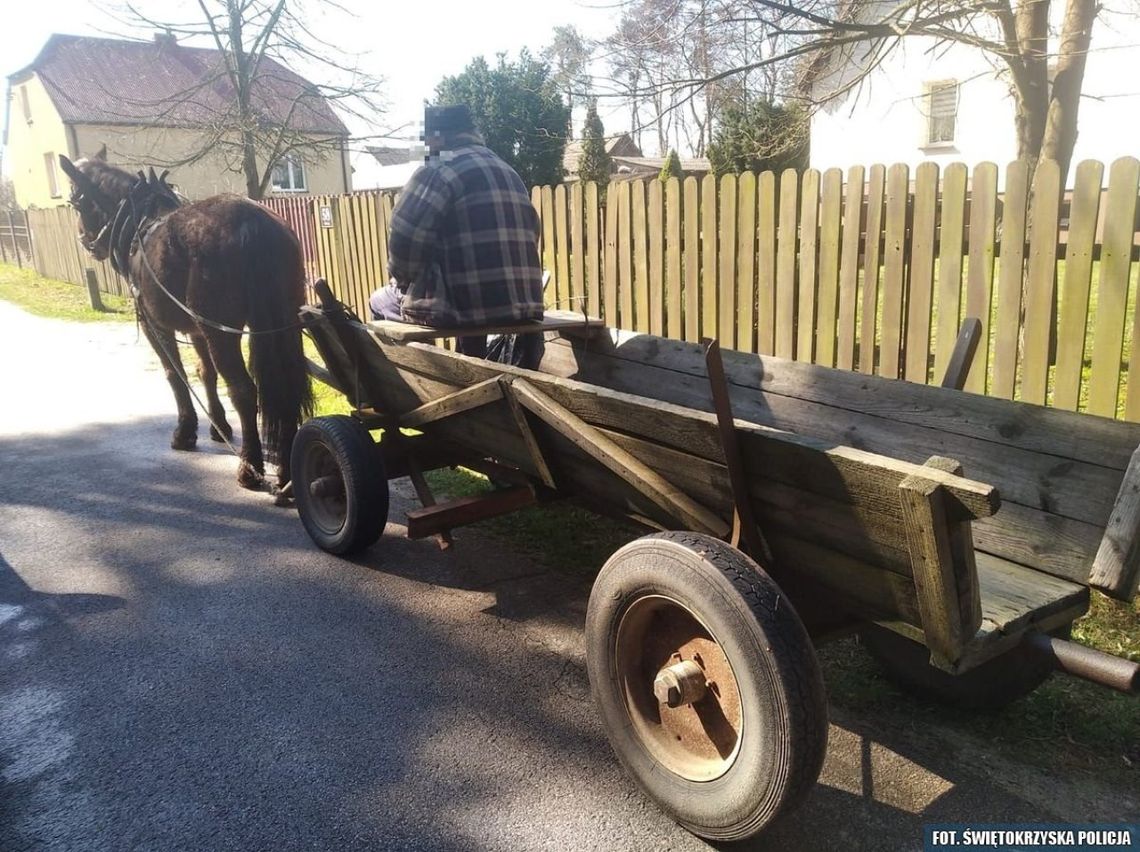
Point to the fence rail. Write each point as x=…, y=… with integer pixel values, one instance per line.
x=15, y=238
x=870, y=270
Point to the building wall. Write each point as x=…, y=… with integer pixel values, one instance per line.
x=138, y=147
x=29, y=141
x=884, y=119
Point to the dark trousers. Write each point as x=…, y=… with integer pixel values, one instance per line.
x=385, y=304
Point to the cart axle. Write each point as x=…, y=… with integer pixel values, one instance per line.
x=679, y=684
x=1087, y=663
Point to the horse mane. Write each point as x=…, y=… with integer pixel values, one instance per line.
x=115, y=183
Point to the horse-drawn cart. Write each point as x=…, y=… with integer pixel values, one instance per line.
x=863, y=503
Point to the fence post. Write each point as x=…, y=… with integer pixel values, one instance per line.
x=3, y=251
x=93, y=290
x=28, y=237
x=15, y=242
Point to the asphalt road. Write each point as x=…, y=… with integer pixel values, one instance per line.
x=180, y=668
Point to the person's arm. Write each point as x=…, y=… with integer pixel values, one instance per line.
x=415, y=224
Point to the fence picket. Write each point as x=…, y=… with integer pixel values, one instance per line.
x=869, y=312
x=561, y=235
x=610, y=282
x=640, y=258
x=980, y=273
x=708, y=256
x=952, y=230
x=746, y=262
x=786, y=266
x=849, y=269
x=673, y=317
x=625, y=259
x=920, y=291
x=593, y=255
x=1039, y=294
x=1011, y=274
x=692, y=253
x=808, y=282
x=830, y=204
x=656, y=225
x=549, y=249
x=726, y=285
x=766, y=264
x=1077, y=285
x=577, y=282
x=894, y=268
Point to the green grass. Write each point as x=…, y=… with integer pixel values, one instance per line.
x=46, y=297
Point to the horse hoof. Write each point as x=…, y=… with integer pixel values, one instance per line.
x=249, y=478
x=182, y=441
x=227, y=433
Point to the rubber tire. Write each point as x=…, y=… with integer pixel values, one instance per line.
x=784, y=731
x=360, y=465
x=990, y=686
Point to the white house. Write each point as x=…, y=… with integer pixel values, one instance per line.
x=952, y=104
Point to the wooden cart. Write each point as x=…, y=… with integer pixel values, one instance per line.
x=791, y=503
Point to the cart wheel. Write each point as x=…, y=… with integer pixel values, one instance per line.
x=339, y=484
x=990, y=686
x=707, y=683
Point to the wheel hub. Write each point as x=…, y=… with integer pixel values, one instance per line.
x=679, y=689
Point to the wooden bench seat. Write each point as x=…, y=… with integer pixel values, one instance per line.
x=405, y=332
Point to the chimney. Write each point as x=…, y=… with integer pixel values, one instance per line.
x=165, y=39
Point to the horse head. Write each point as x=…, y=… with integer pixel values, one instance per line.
x=96, y=192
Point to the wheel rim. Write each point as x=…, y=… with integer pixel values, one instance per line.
x=698, y=740
x=321, y=477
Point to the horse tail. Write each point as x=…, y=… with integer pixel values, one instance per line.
x=275, y=280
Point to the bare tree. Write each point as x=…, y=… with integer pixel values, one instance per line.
x=251, y=107
x=568, y=56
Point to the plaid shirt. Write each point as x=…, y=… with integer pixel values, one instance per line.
x=464, y=243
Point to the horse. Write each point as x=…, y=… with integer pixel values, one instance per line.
x=207, y=269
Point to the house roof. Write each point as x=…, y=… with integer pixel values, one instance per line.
x=387, y=156
x=688, y=165
x=163, y=83
x=621, y=144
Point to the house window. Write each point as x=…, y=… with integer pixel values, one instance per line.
x=26, y=104
x=52, y=178
x=941, y=112
x=289, y=175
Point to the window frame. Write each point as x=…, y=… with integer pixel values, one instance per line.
x=294, y=166
x=52, y=174
x=930, y=89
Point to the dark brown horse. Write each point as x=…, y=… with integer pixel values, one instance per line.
x=209, y=270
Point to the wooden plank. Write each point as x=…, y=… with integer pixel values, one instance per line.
x=951, y=231
x=830, y=204
x=625, y=256
x=481, y=393
x=561, y=235
x=920, y=291
x=869, y=312
x=673, y=316
x=549, y=246
x=1083, y=212
x=1011, y=273
x=808, y=281
x=440, y=517
x=708, y=256
x=1112, y=293
x=746, y=263
x=788, y=242
x=576, y=289
x=894, y=268
x=593, y=253
x=927, y=526
x=979, y=285
x=726, y=283
x=655, y=224
x=849, y=270
x=537, y=456
x=555, y=320
x=640, y=318
x=692, y=261
x=654, y=486
x=850, y=473
x=610, y=281
x=963, y=355
x=1040, y=293
x=766, y=264
x=962, y=555
x=1116, y=568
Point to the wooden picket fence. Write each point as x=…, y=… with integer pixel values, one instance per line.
x=56, y=252
x=872, y=270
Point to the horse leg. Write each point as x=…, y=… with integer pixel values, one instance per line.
x=225, y=349
x=220, y=429
x=162, y=341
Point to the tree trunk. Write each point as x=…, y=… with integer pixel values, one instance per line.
x=1030, y=86
x=1060, y=134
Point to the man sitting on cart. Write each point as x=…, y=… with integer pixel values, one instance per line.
x=463, y=244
